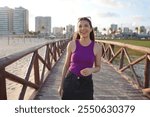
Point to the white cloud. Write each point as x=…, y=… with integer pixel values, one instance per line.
x=108, y=15
x=110, y=3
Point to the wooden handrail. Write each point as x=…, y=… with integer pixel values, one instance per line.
x=52, y=52
x=110, y=55
x=133, y=47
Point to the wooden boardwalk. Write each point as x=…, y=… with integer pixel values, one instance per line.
x=108, y=85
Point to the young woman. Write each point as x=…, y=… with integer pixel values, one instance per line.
x=83, y=58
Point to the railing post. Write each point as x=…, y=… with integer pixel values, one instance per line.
x=3, y=93
x=48, y=56
x=54, y=52
x=121, y=59
x=110, y=52
x=36, y=69
x=147, y=73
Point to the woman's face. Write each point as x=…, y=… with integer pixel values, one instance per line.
x=84, y=29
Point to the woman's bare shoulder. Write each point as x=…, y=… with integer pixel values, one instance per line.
x=71, y=45
x=97, y=46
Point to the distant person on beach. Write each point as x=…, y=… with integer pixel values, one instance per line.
x=83, y=58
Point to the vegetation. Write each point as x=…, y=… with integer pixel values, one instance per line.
x=145, y=43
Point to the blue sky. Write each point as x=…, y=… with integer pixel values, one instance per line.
x=130, y=13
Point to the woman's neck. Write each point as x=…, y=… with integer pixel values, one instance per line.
x=85, y=41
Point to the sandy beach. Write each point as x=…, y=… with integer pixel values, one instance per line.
x=18, y=68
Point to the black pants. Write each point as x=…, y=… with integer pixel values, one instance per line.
x=77, y=88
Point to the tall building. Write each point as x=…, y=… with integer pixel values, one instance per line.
x=69, y=30
x=43, y=25
x=114, y=27
x=6, y=21
x=142, y=30
x=58, y=31
x=126, y=30
x=14, y=21
x=20, y=20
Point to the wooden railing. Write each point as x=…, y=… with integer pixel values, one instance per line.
x=112, y=52
x=52, y=52
x=128, y=60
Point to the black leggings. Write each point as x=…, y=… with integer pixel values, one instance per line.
x=77, y=88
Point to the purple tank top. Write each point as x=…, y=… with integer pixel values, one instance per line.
x=82, y=57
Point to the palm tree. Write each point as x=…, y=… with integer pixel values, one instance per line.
x=120, y=30
x=104, y=29
x=43, y=30
x=95, y=30
x=110, y=31
x=136, y=29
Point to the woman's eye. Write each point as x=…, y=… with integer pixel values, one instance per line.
x=86, y=25
x=80, y=26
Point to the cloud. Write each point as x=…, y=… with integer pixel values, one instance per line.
x=138, y=18
x=108, y=14
x=112, y=3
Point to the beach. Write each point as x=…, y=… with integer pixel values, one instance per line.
x=10, y=46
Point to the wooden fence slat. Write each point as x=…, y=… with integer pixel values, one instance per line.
x=17, y=79
x=3, y=92
x=22, y=93
x=147, y=73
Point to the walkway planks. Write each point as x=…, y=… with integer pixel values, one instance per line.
x=108, y=85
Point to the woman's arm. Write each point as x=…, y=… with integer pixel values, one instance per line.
x=98, y=54
x=66, y=66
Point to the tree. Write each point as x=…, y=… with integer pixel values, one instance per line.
x=120, y=30
x=136, y=29
x=95, y=30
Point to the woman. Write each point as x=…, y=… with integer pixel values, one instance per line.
x=82, y=53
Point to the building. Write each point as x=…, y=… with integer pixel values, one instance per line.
x=14, y=21
x=125, y=30
x=43, y=25
x=69, y=30
x=114, y=27
x=20, y=20
x=6, y=21
x=142, y=30
x=58, y=31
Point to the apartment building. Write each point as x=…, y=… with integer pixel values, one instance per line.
x=20, y=20
x=58, y=31
x=43, y=25
x=14, y=21
x=114, y=27
x=69, y=30
x=6, y=21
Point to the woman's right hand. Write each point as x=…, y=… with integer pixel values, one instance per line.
x=60, y=91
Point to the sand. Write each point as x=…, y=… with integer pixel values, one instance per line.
x=19, y=68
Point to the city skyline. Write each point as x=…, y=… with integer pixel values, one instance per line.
x=125, y=13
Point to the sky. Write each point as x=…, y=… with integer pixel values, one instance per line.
x=103, y=13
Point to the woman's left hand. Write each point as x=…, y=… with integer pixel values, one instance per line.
x=86, y=71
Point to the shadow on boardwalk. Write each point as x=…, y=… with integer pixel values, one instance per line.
x=108, y=85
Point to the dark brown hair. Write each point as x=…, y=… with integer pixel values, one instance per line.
x=91, y=33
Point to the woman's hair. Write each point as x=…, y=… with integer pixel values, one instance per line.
x=77, y=36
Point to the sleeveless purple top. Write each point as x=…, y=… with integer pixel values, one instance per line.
x=82, y=57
